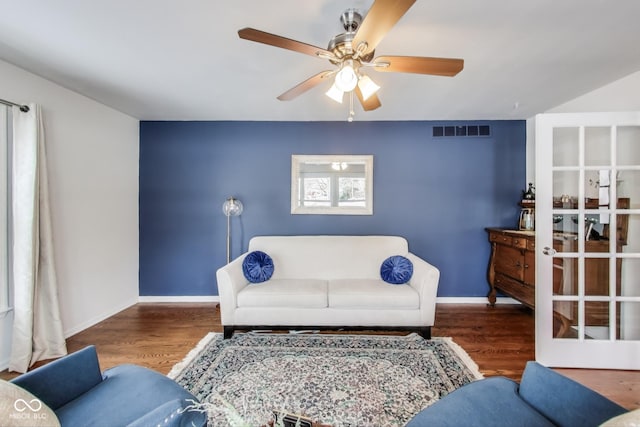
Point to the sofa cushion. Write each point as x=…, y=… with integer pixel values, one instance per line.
x=490, y=402
x=329, y=257
x=257, y=267
x=297, y=293
x=371, y=293
x=396, y=270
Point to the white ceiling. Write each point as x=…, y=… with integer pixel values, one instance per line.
x=183, y=60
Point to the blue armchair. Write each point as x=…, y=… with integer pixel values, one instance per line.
x=543, y=398
x=126, y=395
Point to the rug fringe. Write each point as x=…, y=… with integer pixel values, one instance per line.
x=462, y=354
x=179, y=367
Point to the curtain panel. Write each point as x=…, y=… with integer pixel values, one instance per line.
x=37, y=327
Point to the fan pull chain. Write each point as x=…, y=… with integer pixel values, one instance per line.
x=351, y=112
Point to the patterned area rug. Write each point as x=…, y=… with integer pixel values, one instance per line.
x=340, y=380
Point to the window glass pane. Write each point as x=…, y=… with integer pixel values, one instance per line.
x=316, y=191
x=352, y=191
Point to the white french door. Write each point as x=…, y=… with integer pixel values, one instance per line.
x=588, y=240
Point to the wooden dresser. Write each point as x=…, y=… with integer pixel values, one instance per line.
x=512, y=269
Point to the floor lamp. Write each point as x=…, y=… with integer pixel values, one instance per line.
x=231, y=207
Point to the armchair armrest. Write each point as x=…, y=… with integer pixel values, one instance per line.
x=564, y=401
x=59, y=382
x=425, y=281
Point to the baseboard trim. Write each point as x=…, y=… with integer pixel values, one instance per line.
x=177, y=298
x=216, y=298
x=95, y=320
x=474, y=300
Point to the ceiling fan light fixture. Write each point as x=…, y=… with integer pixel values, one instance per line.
x=346, y=79
x=367, y=87
x=335, y=93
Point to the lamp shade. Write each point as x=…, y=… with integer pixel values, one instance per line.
x=346, y=79
x=335, y=93
x=367, y=87
x=232, y=207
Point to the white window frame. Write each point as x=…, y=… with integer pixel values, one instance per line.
x=336, y=208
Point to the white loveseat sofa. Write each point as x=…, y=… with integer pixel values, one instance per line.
x=328, y=282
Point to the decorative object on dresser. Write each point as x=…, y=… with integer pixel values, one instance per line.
x=512, y=265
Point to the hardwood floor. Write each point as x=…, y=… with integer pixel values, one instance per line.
x=499, y=339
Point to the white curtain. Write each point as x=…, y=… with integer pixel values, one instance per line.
x=37, y=328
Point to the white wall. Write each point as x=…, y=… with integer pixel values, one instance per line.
x=93, y=155
x=620, y=95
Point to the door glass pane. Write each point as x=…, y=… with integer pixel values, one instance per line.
x=630, y=238
x=565, y=146
x=565, y=240
x=597, y=146
x=565, y=276
x=563, y=323
x=565, y=189
x=596, y=276
x=627, y=146
x=630, y=277
x=596, y=314
x=628, y=185
x=629, y=320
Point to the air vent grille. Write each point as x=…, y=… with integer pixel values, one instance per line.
x=467, y=130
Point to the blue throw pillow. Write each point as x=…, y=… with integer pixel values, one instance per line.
x=257, y=267
x=396, y=270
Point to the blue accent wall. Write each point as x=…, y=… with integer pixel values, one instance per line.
x=439, y=193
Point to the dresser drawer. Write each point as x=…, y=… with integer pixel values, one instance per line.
x=509, y=261
x=519, y=242
x=500, y=238
x=531, y=244
x=524, y=293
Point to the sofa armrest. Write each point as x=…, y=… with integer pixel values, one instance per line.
x=230, y=281
x=425, y=281
x=564, y=401
x=59, y=382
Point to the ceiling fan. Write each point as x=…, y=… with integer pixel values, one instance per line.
x=352, y=52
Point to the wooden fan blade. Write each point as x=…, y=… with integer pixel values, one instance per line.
x=382, y=16
x=419, y=65
x=282, y=42
x=305, y=86
x=371, y=103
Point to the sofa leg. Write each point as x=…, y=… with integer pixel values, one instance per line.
x=425, y=332
x=228, y=332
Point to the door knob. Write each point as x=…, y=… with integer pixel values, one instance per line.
x=548, y=251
